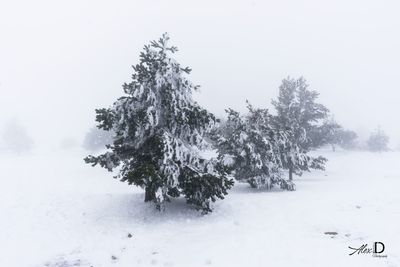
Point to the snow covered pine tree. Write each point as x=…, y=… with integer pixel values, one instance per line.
x=298, y=114
x=251, y=149
x=159, y=133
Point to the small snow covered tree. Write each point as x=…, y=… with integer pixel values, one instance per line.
x=250, y=148
x=159, y=132
x=378, y=141
x=298, y=114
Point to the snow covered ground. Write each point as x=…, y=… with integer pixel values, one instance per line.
x=56, y=211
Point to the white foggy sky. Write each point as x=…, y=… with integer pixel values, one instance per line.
x=59, y=60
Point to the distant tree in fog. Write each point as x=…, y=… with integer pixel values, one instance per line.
x=332, y=133
x=347, y=139
x=97, y=139
x=15, y=138
x=325, y=134
x=378, y=141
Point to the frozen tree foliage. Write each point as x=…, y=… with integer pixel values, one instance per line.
x=15, y=138
x=97, y=139
x=159, y=131
x=299, y=114
x=378, y=141
x=251, y=148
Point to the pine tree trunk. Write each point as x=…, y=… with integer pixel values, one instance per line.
x=290, y=174
x=148, y=194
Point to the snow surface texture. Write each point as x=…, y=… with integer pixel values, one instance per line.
x=60, y=212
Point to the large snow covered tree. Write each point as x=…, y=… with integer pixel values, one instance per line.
x=378, y=141
x=299, y=114
x=250, y=148
x=159, y=132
